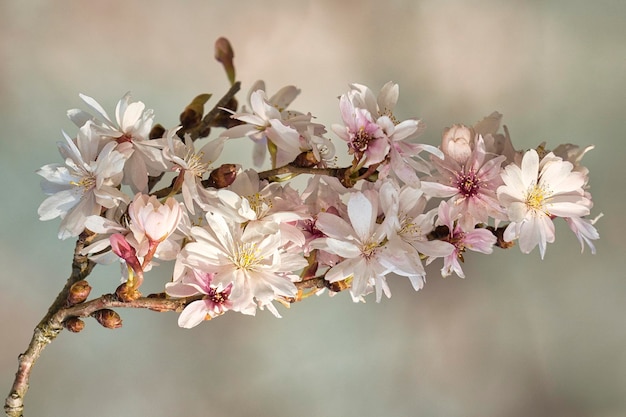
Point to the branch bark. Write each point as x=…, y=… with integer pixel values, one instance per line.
x=46, y=331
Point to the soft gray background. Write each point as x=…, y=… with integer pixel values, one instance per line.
x=518, y=337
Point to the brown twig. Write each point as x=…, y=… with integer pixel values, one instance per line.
x=209, y=119
x=46, y=331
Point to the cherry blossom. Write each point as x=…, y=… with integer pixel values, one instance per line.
x=83, y=186
x=253, y=261
x=478, y=240
x=535, y=193
x=130, y=131
x=366, y=139
x=471, y=184
x=214, y=303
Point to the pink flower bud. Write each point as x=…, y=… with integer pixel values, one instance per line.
x=151, y=219
x=458, y=142
x=124, y=250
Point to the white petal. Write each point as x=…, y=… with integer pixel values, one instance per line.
x=58, y=204
x=334, y=226
x=343, y=248
x=530, y=168
x=362, y=215
x=96, y=106
x=194, y=314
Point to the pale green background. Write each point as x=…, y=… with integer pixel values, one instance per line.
x=518, y=337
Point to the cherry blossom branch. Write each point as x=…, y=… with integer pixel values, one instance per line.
x=225, y=174
x=155, y=302
x=46, y=331
x=160, y=302
x=346, y=175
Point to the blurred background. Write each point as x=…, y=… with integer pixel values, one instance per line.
x=518, y=337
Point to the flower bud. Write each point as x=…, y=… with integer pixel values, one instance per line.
x=458, y=143
x=224, y=54
x=79, y=291
x=305, y=160
x=108, y=318
x=223, y=176
x=192, y=115
x=74, y=324
x=157, y=132
x=152, y=219
x=127, y=293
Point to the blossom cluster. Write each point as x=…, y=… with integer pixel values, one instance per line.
x=249, y=239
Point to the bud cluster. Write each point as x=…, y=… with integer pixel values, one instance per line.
x=242, y=239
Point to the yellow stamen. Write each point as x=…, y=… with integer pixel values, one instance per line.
x=535, y=198
x=247, y=256
x=86, y=183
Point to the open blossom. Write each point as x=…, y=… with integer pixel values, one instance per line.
x=477, y=240
x=269, y=119
x=535, y=193
x=368, y=118
x=267, y=205
x=191, y=166
x=193, y=282
x=252, y=260
x=404, y=208
x=130, y=130
x=402, y=153
x=366, y=139
x=369, y=254
x=470, y=177
x=83, y=186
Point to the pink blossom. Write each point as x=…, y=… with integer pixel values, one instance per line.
x=366, y=140
x=477, y=240
x=152, y=219
x=194, y=282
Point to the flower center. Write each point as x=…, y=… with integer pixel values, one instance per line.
x=535, y=197
x=361, y=140
x=218, y=297
x=468, y=184
x=369, y=249
x=259, y=204
x=411, y=229
x=195, y=164
x=246, y=256
x=124, y=138
x=86, y=183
